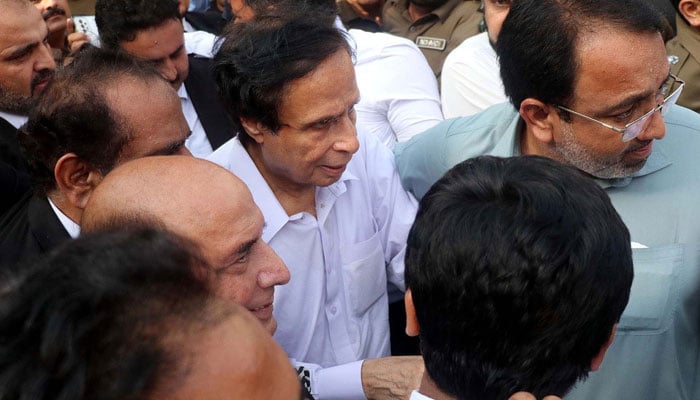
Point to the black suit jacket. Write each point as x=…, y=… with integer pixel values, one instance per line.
x=212, y=114
x=208, y=21
x=14, y=171
x=28, y=230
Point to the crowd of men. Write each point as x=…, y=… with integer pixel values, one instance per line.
x=265, y=200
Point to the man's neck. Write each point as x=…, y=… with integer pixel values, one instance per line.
x=428, y=388
x=293, y=197
x=529, y=145
x=418, y=12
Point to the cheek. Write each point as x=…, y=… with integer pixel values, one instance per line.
x=234, y=288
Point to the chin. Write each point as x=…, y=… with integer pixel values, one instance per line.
x=270, y=326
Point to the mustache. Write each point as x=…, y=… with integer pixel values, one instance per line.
x=52, y=12
x=637, y=145
x=41, y=76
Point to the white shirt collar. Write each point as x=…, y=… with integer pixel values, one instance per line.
x=182, y=92
x=14, y=119
x=71, y=227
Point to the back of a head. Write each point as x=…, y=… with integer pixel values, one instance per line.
x=518, y=268
x=73, y=115
x=318, y=11
x=102, y=318
x=258, y=59
x=537, y=45
x=119, y=20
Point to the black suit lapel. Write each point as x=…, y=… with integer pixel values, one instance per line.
x=201, y=89
x=45, y=225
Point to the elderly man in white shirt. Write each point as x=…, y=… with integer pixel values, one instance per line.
x=399, y=95
x=334, y=208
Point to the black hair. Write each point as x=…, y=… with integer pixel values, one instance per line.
x=537, y=45
x=73, y=115
x=258, y=59
x=103, y=318
x=323, y=11
x=518, y=268
x=120, y=20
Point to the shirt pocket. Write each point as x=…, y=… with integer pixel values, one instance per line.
x=364, y=274
x=655, y=290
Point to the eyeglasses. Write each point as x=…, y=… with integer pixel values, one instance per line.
x=636, y=127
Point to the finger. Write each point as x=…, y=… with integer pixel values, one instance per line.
x=70, y=26
x=359, y=10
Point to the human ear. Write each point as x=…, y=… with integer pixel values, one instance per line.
x=76, y=179
x=540, y=119
x=598, y=359
x=255, y=129
x=412, y=325
x=690, y=9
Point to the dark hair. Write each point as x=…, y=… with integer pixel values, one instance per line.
x=102, y=318
x=518, y=268
x=537, y=45
x=258, y=59
x=320, y=11
x=120, y=20
x=73, y=116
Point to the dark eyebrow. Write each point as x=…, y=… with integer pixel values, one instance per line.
x=177, y=51
x=171, y=148
x=327, y=118
x=629, y=102
x=245, y=247
x=22, y=51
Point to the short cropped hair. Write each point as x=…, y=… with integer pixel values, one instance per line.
x=120, y=20
x=518, y=268
x=537, y=45
x=103, y=318
x=321, y=11
x=258, y=59
x=73, y=115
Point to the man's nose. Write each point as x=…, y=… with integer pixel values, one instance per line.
x=275, y=271
x=656, y=128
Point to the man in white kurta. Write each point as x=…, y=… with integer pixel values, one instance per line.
x=334, y=207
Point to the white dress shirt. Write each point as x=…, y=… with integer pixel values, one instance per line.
x=69, y=225
x=471, y=78
x=198, y=143
x=334, y=309
x=399, y=95
x=15, y=120
x=416, y=395
x=200, y=43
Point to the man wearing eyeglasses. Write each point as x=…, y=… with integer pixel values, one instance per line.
x=599, y=95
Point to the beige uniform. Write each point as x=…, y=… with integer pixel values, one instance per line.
x=436, y=33
x=686, y=46
x=82, y=7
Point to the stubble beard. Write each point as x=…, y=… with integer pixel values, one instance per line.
x=14, y=103
x=572, y=152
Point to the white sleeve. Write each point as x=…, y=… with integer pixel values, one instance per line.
x=471, y=80
x=342, y=382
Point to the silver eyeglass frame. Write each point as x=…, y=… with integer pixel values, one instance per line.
x=627, y=133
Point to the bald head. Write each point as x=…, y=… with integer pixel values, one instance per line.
x=171, y=191
x=204, y=203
